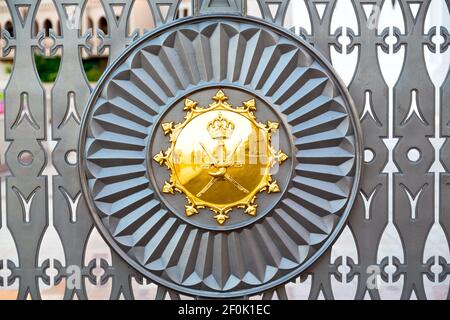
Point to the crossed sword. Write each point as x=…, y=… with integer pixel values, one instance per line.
x=222, y=173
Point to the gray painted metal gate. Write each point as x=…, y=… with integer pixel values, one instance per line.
x=395, y=244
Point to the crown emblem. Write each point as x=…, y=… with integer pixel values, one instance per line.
x=220, y=183
x=220, y=128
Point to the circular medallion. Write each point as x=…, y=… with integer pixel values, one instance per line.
x=220, y=156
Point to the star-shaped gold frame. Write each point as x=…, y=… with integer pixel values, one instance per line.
x=194, y=203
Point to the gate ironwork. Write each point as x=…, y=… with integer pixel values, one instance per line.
x=395, y=243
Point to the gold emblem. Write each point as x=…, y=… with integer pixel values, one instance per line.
x=220, y=157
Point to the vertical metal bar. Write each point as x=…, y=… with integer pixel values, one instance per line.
x=26, y=188
x=70, y=94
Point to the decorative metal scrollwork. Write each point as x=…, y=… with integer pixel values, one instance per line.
x=395, y=241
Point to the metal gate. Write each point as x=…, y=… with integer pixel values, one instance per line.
x=393, y=57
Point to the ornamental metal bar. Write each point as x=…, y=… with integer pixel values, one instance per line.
x=218, y=6
x=395, y=244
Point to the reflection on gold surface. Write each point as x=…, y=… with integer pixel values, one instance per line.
x=220, y=157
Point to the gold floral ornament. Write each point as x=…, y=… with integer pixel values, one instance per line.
x=220, y=157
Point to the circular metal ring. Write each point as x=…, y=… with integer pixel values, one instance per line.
x=300, y=89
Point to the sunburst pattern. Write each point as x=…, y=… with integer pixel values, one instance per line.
x=161, y=69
